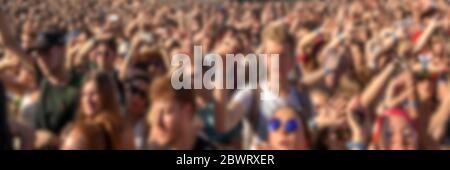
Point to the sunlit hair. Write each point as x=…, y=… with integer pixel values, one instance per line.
x=278, y=33
x=161, y=89
x=94, y=135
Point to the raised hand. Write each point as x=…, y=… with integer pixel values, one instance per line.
x=332, y=115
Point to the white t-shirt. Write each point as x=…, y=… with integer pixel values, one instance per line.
x=139, y=134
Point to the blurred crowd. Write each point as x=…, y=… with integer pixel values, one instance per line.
x=354, y=74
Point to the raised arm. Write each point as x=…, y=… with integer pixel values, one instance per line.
x=308, y=38
x=229, y=110
x=426, y=35
x=376, y=85
x=10, y=81
x=439, y=119
x=131, y=56
x=12, y=45
x=83, y=52
x=13, y=83
x=330, y=65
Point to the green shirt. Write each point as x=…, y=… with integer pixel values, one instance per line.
x=57, y=103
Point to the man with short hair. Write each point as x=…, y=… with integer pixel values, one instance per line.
x=172, y=118
x=58, y=86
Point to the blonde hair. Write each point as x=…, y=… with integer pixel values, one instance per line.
x=278, y=33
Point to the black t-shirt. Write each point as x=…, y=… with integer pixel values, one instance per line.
x=57, y=104
x=202, y=143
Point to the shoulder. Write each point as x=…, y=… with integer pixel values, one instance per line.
x=243, y=96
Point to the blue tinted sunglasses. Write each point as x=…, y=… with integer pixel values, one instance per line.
x=289, y=126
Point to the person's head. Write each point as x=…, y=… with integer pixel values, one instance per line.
x=136, y=90
x=86, y=135
x=105, y=54
x=151, y=60
x=28, y=31
x=287, y=130
x=50, y=48
x=395, y=130
x=226, y=36
x=172, y=111
x=98, y=95
x=26, y=41
x=277, y=41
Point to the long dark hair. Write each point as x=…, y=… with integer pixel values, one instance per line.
x=108, y=117
x=5, y=135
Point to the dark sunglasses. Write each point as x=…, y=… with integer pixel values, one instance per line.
x=289, y=126
x=136, y=91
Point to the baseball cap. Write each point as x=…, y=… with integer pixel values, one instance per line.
x=46, y=40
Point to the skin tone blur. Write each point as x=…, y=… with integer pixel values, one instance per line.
x=90, y=99
x=352, y=60
x=171, y=125
x=397, y=134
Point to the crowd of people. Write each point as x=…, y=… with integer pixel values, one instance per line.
x=96, y=74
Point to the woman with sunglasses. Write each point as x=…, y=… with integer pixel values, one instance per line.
x=287, y=130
